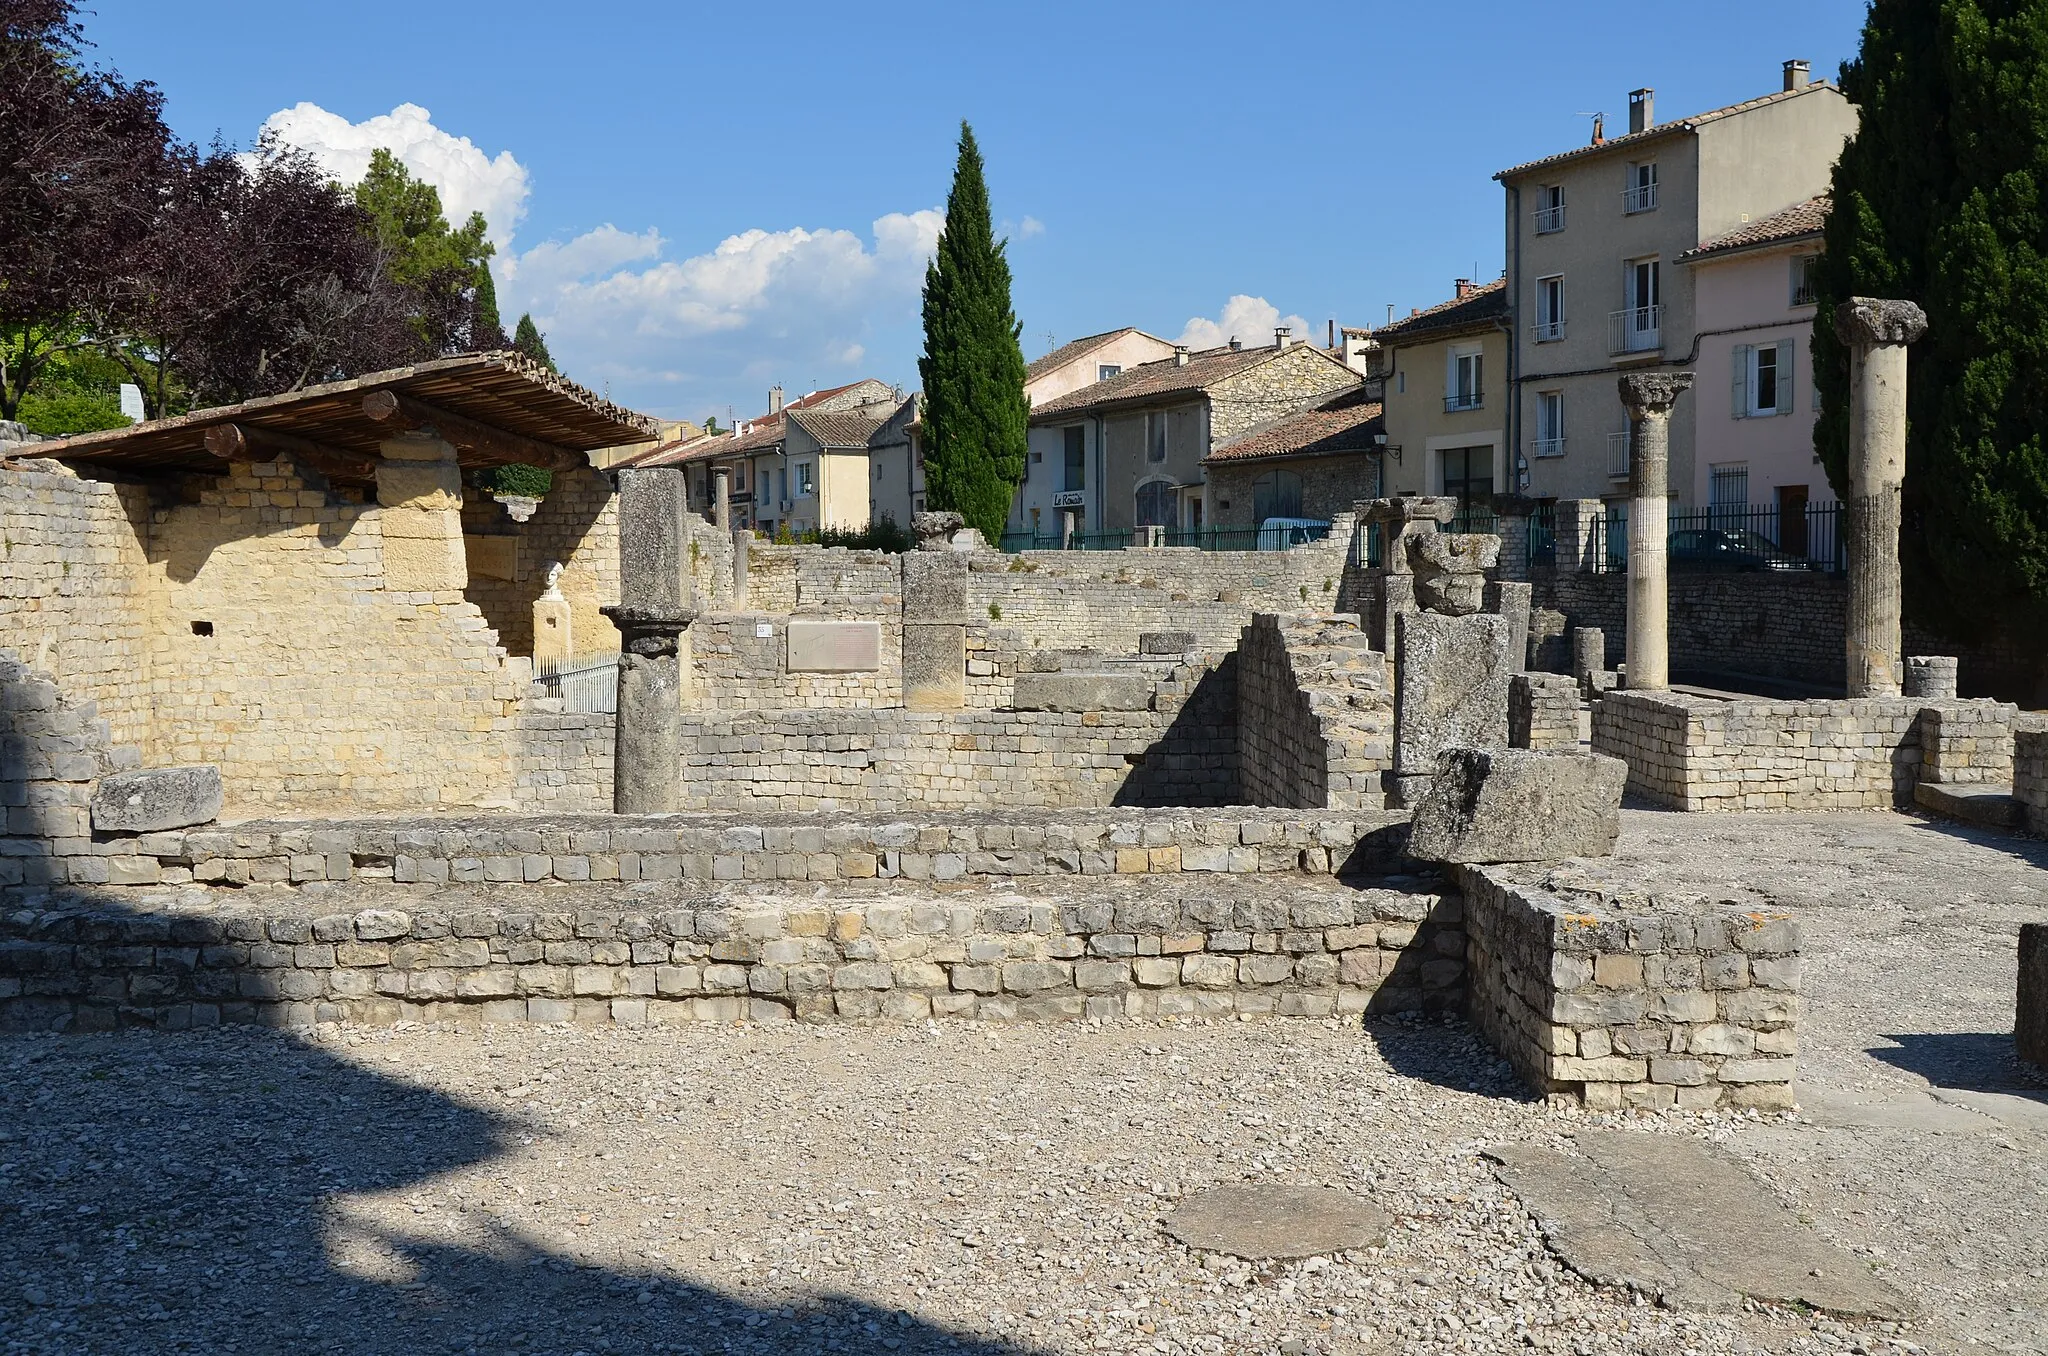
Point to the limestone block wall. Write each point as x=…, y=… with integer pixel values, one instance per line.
x=1704, y=754
x=565, y=761
x=1679, y=1004
x=249, y=623
x=72, y=588
x=1966, y=743
x=2030, y=768
x=1543, y=711
x=1314, y=717
x=829, y=581
x=52, y=750
x=739, y=669
x=576, y=525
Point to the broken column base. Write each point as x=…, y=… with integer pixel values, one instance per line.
x=1515, y=805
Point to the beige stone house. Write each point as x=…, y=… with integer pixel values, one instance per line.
x=1128, y=451
x=1446, y=396
x=1754, y=291
x=1594, y=239
x=1060, y=373
x=1314, y=464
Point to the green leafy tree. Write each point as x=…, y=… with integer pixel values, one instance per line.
x=78, y=391
x=975, y=412
x=448, y=268
x=528, y=339
x=1942, y=198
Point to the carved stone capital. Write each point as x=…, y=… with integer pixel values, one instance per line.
x=1407, y=508
x=935, y=530
x=1646, y=393
x=1874, y=322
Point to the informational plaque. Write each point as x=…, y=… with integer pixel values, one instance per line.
x=834, y=646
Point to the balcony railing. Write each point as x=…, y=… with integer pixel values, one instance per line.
x=1637, y=329
x=1549, y=219
x=1617, y=456
x=1547, y=331
x=1639, y=198
x=1549, y=447
x=1463, y=400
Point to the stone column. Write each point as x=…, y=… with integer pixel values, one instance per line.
x=419, y=497
x=656, y=602
x=721, y=497
x=1876, y=333
x=1649, y=397
x=742, y=545
x=934, y=617
x=1932, y=676
x=1589, y=653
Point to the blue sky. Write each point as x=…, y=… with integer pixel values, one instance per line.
x=698, y=201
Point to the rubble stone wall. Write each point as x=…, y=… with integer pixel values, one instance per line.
x=52, y=751
x=1680, y=1005
x=1706, y=754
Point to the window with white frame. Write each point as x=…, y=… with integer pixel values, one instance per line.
x=1763, y=379
x=1465, y=379
x=1104, y=371
x=1640, y=194
x=1803, y=293
x=1549, y=208
x=1550, y=308
x=805, y=484
x=1550, y=423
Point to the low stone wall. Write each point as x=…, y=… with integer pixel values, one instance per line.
x=1675, y=1004
x=1966, y=743
x=1708, y=754
x=52, y=751
x=572, y=849
x=2030, y=769
x=550, y=956
x=1543, y=711
x=564, y=762
x=1314, y=717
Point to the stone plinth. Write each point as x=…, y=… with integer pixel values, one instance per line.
x=2030, y=1024
x=150, y=799
x=1450, y=690
x=1515, y=805
x=1589, y=652
x=1930, y=675
x=419, y=497
x=1543, y=711
x=935, y=619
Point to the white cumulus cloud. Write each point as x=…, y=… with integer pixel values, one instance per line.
x=467, y=179
x=1029, y=227
x=1249, y=320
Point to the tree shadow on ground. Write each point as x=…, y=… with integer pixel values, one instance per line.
x=2026, y=850
x=1971, y=1061
x=183, y=1194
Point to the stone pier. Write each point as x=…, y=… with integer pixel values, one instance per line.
x=1876, y=332
x=935, y=617
x=721, y=497
x=1649, y=398
x=656, y=604
x=419, y=487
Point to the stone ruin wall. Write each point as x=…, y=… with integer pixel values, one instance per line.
x=1314, y=716
x=315, y=687
x=2030, y=769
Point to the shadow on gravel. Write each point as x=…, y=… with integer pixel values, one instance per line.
x=2030, y=851
x=1445, y=1051
x=173, y=1194
x=1980, y=1061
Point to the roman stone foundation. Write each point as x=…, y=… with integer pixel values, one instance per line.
x=1876, y=332
x=1649, y=398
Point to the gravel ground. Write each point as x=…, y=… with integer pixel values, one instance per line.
x=995, y=1190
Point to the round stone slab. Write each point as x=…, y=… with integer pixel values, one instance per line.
x=1278, y=1223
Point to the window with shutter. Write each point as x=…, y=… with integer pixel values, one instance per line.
x=1788, y=372
x=1740, y=367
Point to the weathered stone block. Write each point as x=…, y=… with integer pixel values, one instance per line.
x=157, y=798
x=2030, y=1023
x=1450, y=690
x=1082, y=692
x=1514, y=805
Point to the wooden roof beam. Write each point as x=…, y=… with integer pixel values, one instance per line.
x=248, y=441
x=483, y=442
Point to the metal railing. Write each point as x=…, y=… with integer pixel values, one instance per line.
x=1639, y=198
x=1268, y=538
x=1463, y=400
x=1617, y=456
x=1737, y=537
x=1549, y=220
x=1014, y=542
x=1547, y=447
x=1474, y=518
x=1542, y=540
x=1547, y=331
x=1635, y=329
x=588, y=682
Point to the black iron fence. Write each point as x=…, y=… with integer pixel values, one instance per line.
x=1741, y=537
x=1272, y=537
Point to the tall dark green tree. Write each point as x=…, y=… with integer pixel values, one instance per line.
x=448, y=267
x=1942, y=198
x=974, y=410
x=528, y=339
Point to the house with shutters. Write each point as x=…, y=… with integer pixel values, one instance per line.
x=1445, y=374
x=1598, y=284
x=1753, y=288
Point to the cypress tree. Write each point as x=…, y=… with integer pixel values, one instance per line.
x=1941, y=198
x=527, y=339
x=973, y=368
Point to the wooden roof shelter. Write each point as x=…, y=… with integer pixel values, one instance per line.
x=495, y=408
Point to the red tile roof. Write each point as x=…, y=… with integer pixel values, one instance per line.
x=1797, y=222
x=1664, y=129
x=1337, y=429
x=842, y=428
x=1478, y=309
x=1073, y=349
x=1168, y=376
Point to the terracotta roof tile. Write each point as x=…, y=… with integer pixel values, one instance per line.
x=1478, y=308
x=1071, y=350
x=1340, y=428
x=1802, y=219
x=1664, y=129
x=841, y=428
x=1165, y=377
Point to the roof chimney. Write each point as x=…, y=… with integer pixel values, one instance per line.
x=775, y=400
x=1283, y=335
x=1462, y=287
x=1180, y=355
x=1797, y=73
x=1642, y=110
x=1599, y=129
x=1235, y=343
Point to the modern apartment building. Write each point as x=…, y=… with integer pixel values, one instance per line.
x=1594, y=239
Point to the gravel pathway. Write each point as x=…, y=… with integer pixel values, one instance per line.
x=996, y=1190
